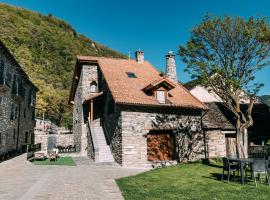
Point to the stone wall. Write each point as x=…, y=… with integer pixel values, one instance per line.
x=136, y=124
x=88, y=74
x=63, y=140
x=17, y=124
x=112, y=127
x=215, y=143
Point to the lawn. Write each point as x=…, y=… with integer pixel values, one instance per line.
x=188, y=181
x=60, y=161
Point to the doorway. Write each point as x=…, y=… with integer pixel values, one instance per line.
x=230, y=140
x=160, y=145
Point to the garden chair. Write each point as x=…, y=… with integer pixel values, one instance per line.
x=259, y=167
x=229, y=167
x=52, y=155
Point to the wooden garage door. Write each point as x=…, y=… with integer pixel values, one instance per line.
x=159, y=145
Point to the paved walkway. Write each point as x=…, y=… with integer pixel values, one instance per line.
x=25, y=181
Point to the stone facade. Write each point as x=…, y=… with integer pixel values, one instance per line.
x=56, y=139
x=89, y=74
x=215, y=143
x=17, y=105
x=126, y=126
x=137, y=124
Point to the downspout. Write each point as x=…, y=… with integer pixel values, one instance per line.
x=204, y=137
x=18, y=126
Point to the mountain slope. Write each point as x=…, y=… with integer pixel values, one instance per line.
x=46, y=48
x=266, y=99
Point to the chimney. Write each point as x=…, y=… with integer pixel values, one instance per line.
x=139, y=56
x=170, y=67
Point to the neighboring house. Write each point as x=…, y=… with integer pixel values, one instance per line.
x=45, y=126
x=17, y=104
x=219, y=123
x=50, y=135
x=129, y=112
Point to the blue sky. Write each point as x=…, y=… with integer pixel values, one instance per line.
x=155, y=26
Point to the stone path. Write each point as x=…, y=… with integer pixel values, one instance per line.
x=24, y=181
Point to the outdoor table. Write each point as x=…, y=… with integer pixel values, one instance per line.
x=243, y=162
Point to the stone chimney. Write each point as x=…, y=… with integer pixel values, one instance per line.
x=139, y=56
x=170, y=67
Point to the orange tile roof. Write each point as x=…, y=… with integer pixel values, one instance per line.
x=130, y=90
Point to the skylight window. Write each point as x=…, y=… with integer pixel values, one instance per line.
x=131, y=75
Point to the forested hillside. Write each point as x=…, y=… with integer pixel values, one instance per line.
x=46, y=48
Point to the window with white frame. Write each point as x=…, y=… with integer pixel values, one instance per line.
x=161, y=98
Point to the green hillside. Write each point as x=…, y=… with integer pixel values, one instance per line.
x=46, y=48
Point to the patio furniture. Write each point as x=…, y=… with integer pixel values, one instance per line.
x=243, y=162
x=52, y=155
x=259, y=166
x=229, y=167
x=57, y=152
x=39, y=155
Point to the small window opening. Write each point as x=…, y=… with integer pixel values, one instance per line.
x=93, y=87
x=131, y=75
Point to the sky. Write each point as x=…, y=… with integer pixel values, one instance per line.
x=154, y=26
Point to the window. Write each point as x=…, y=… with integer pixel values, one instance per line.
x=8, y=79
x=26, y=138
x=161, y=96
x=12, y=112
x=33, y=115
x=14, y=135
x=16, y=112
x=0, y=138
x=0, y=100
x=24, y=113
x=131, y=75
x=93, y=87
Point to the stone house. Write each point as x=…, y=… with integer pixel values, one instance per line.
x=17, y=104
x=127, y=111
x=218, y=123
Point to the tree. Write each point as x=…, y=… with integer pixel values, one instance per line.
x=224, y=54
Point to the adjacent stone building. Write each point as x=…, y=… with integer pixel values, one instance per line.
x=218, y=123
x=129, y=112
x=17, y=104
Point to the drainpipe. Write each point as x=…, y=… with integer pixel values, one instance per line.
x=18, y=126
x=204, y=139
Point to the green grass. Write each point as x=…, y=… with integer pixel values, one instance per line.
x=60, y=161
x=188, y=181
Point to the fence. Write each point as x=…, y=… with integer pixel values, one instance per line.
x=259, y=151
x=31, y=149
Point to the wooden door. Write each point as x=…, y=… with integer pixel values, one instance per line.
x=230, y=145
x=159, y=146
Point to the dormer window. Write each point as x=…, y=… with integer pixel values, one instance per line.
x=161, y=96
x=160, y=90
x=93, y=87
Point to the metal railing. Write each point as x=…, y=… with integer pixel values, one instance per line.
x=106, y=132
x=92, y=136
x=259, y=151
